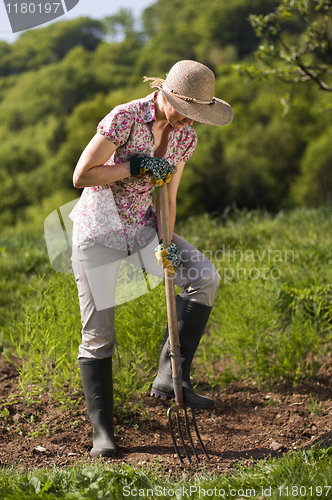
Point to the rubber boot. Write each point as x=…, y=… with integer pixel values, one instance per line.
x=192, y=319
x=98, y=389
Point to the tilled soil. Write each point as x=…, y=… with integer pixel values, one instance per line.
x=247, y=425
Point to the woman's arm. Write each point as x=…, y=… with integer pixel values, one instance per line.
x=172, y=190
x=90, y=169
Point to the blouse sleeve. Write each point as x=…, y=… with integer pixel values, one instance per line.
x=116, y=126
x=190, y=142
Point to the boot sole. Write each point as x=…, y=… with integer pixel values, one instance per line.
x=161, y=395
x=164, y=396
x=103, y=453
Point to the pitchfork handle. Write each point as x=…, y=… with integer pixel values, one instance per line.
x=170, y=301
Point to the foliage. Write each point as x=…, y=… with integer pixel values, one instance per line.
x=46, y=341
x=314, y=407
x=313, y=187
x=121, y=25
x=213, y=32
x=58, y=82
x=35, y=48
x=272, y=314
x=306, y=474
x=23, y=260
x=314, y=303
x=271, y=319
x=297, y=41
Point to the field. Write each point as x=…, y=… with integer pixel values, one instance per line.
x=265, y=359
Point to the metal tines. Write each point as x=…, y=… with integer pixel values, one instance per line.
x=175, y=410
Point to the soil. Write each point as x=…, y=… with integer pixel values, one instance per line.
x=247, y=424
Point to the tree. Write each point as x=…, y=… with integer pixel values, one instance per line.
x=313, y=188
x=210, y=31
x=38, y=47
x=297, y=41
x=120, y=26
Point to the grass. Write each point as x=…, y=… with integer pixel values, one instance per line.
x=271, y=319
x=23, y=265
x=305, y=474
x=273, y=311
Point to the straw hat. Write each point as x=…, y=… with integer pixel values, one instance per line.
x=189, y=88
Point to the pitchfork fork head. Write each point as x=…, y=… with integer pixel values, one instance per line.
x=176, y=411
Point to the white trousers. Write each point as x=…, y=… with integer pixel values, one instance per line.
x=98, y=281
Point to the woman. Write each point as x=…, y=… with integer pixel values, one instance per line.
x=137, y=146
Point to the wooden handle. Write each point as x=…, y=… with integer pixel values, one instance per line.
x=170, y=301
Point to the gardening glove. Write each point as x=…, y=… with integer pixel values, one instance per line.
x=169, y=257
x=159, y=168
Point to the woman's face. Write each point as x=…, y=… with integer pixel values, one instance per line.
x=175, y=119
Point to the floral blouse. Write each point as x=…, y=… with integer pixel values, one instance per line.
x=117, y=213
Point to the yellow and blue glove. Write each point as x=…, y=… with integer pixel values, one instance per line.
x=168, y=257
x=159, y=168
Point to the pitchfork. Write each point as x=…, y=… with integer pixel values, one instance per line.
x=175, y=350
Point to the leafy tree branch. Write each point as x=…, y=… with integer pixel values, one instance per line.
x=297, y=41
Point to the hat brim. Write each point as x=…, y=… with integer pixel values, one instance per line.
x=220, y=113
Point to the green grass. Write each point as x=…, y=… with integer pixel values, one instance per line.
x=23, y=263
x=272, y=315
x=305, y=474
x=271, y=319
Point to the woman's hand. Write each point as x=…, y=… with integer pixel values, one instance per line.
x=159, y=168
x=168, y=257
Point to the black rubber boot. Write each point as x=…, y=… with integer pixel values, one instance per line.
x=98, y=389
x=192, y=319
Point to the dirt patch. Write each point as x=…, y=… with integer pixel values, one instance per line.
x=247, y=425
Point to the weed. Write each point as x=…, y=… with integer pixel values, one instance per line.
x=314, y=407
x=271, y=402
x=41, y=431
x=4, y=413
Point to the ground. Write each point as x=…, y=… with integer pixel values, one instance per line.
x=247, y=424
